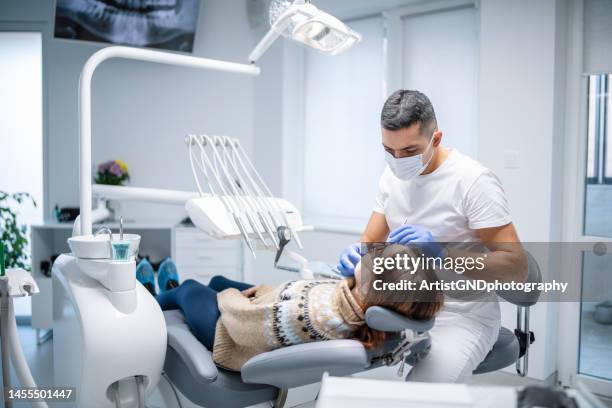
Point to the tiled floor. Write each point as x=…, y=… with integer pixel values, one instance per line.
x=595, y=348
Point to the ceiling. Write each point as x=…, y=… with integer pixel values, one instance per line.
x=353, y=8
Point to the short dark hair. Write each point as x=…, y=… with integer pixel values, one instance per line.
x=406, y=107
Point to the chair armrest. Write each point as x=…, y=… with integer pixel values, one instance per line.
x=303, y=364
x=193, y=354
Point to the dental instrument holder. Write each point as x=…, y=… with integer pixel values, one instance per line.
x=236, y=188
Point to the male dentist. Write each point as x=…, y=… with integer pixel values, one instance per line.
x=432, y=194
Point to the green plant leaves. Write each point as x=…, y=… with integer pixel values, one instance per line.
x=13, y=234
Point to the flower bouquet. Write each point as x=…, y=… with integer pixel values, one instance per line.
x=113, y=172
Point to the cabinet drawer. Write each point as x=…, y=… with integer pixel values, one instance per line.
x=195, y=239
x=228, y=257
x=204, y=274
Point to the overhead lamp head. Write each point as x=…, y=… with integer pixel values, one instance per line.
x=304, y=23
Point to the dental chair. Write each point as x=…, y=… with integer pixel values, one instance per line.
x=268, y=376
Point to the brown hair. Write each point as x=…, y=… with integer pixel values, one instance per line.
x=417, y=305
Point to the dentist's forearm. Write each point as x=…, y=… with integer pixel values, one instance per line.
x=502, y=265
x=377, y=229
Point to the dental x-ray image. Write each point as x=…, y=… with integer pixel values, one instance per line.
x=166, y=24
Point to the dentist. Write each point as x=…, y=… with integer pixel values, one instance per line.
x=428, y=195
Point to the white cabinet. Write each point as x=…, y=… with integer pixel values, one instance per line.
x=200, y=257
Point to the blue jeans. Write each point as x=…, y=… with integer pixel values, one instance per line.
x=198, y=303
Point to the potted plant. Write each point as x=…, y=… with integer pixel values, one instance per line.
x=13, y=234
x=115, y=173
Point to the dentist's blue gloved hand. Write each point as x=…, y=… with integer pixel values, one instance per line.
x=349, y=258
x=419, y=236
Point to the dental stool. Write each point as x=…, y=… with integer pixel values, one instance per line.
x=511, y=347
x=268, y=376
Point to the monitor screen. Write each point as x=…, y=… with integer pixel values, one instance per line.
x=165, y=24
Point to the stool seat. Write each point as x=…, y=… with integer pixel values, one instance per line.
x=505, y=352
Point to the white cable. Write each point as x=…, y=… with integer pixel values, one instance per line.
x=5, y=301
x=248, y=192
x=115, y=387
x=178, y=400
x=269, y=192
x=195, y=175
x=202, y=166
x=224, y=197
x=24, y=375
x=260, y=195
x=251, y=205
x=141, y=391
x=241, y=202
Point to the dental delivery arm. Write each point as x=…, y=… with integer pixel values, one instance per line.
x=506, y=262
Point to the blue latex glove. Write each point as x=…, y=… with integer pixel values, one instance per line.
x=349, y=258
x=417, y=235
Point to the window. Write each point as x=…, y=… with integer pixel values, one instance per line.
x=343, y=160
x=440, y=59
x=416, y=47
x=598, y=189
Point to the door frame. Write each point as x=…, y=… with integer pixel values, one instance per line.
x=573, y=206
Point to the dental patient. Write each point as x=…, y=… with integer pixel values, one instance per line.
x=238, y=321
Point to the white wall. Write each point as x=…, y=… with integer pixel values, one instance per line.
x=520, y=110
x=142, y=111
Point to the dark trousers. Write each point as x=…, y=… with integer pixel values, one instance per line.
x=198, y=303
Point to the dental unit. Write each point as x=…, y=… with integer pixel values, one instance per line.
x=113, y=343
x=111, y=338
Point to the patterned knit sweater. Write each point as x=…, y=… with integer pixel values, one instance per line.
x=292, y=313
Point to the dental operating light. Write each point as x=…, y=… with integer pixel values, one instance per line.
x=302, y=22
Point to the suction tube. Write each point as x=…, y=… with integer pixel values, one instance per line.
x=11, y=337
x=6, y=367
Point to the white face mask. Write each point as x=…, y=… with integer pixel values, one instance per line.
x=407, y=168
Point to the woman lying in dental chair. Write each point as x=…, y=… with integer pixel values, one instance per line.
x=238, y=321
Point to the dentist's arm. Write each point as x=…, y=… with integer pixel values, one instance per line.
x=377, y=230
x=506, y=261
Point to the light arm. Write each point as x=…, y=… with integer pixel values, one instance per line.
x=85, y=105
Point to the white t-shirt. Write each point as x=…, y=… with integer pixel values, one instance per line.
x=460, y=196
x=452, y=202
